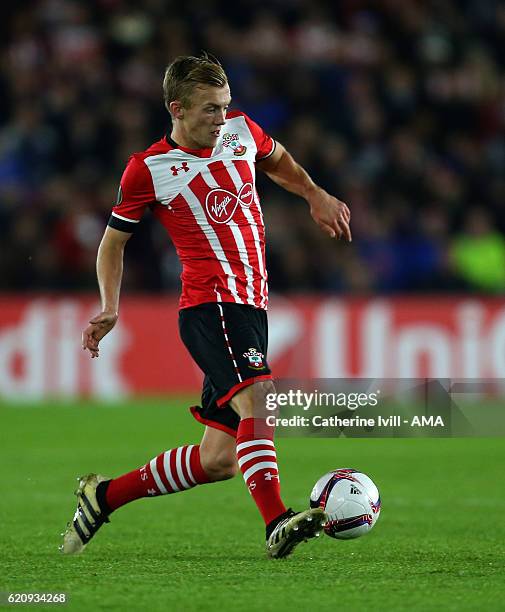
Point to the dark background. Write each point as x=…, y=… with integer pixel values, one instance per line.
x=396, y=107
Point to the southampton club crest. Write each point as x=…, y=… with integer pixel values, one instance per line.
x=255, y=359
x=232, y=141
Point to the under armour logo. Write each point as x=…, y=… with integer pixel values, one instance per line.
x=151, y=491
x=175, y=170
x=269, y=476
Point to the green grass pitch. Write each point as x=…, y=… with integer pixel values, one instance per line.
x=438, y=545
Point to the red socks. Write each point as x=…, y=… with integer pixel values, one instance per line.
x=258, y=461
x=179, y=469
x=174, y=470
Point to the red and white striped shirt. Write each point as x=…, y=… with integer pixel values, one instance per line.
x=207, y=201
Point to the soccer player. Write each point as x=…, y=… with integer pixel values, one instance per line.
x=199, y=181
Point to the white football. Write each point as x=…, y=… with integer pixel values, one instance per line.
x=350, y=499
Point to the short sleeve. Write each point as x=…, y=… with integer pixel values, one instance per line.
x=265, y=144
x=135, y=193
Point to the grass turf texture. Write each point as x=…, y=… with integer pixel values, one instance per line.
x=438, y=545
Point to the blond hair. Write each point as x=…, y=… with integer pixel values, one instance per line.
x=187, y=71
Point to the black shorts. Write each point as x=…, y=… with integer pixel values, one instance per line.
x=229, y=343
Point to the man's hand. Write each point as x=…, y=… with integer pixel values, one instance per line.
x=332, y=215
x=98, y=327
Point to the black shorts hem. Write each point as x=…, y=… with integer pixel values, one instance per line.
x=223, y=400
x=210, y=423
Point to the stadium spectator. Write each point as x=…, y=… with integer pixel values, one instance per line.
x=478, y=254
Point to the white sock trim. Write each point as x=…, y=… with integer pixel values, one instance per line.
x=262, y=442
x=260, y=453
x=156, y=476
x=257, y=467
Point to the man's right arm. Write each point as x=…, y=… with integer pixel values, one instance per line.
x=109, y=268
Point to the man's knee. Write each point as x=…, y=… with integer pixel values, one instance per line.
x=221, y=466
x=251, y=401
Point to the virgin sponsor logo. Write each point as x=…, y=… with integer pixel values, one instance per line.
x=221, y=204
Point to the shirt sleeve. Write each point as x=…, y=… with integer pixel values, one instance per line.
x=135, y=193
x=265, y=144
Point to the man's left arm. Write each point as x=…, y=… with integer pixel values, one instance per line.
x=332, y=215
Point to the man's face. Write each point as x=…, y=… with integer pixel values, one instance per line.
x=202, y=121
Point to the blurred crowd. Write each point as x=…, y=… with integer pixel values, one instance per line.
x=396, y=107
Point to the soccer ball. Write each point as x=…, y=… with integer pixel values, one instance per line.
x=350, y=499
